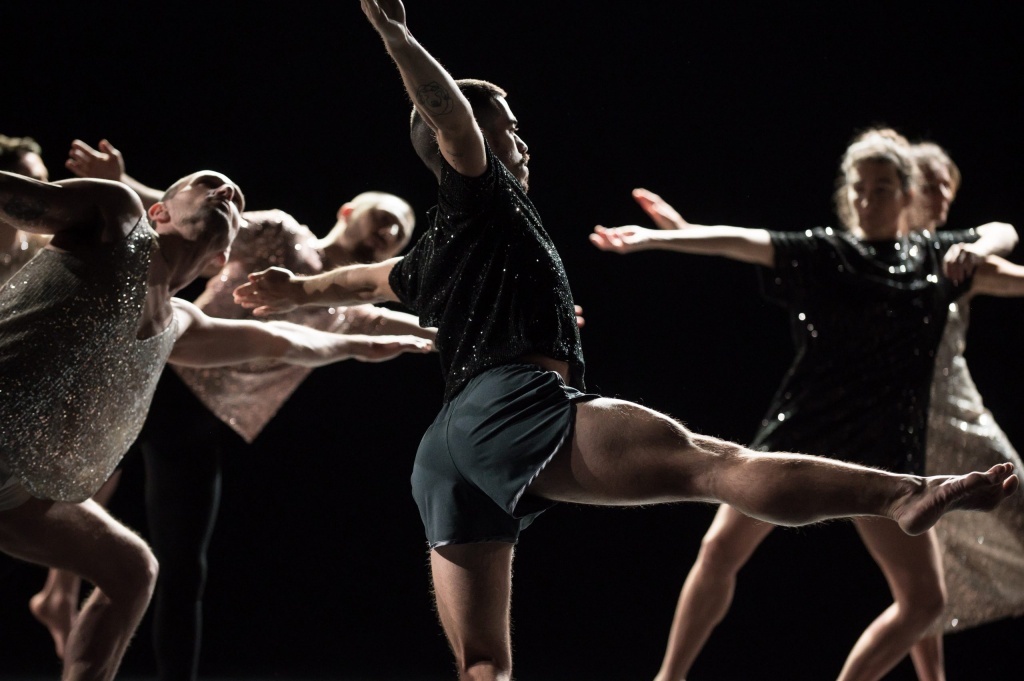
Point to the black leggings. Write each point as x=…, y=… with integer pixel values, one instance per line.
x=182, y=445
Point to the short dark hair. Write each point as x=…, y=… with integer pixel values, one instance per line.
x=13, y=148
x=481, y=95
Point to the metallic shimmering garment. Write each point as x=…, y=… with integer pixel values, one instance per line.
x=983, y=553
x=25, y=246
x=866, y=318
x=246, y=396
x=75, y=382
x=488, y=276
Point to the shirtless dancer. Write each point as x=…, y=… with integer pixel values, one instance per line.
x=516, y=434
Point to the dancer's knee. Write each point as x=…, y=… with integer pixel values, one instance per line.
x=923, y=605
x=721, y=554
x=135, y=577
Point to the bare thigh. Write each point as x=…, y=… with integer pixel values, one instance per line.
x=81, y=538
x=624, y=454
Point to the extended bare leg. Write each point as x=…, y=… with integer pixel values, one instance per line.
x=472, y=589
x=625, y=454
x=56, y=604
x=913, y=568
x=708, y=590
x=84, y=539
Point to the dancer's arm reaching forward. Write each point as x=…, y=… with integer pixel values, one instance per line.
x=278, y=290
x=738, y=243
x=995, y=276
x=211, y=341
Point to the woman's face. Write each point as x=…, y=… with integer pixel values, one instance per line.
x=877, y=198
x=937, y=194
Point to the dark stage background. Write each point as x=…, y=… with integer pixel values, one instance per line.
x=735, y=113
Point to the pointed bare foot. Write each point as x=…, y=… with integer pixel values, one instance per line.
x=943, y=493
x=56, y=614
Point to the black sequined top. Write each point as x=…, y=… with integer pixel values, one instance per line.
x=866, y=318
x=487, y=275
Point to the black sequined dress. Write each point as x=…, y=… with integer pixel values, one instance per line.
x=866, y=319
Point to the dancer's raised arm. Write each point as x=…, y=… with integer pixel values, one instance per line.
x=431, y=88
x=107, y=163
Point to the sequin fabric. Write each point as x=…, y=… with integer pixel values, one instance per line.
x=866, y=318
x=982, y=553
x=76, y=381
x=487, y=275
x=24, y=248
x=247, y=396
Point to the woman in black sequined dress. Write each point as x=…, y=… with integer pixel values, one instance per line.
x=867, y=306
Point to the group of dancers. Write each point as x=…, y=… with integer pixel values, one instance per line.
x=878, y=403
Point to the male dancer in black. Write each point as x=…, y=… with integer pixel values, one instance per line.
x=516, y=434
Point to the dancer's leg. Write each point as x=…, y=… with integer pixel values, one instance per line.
x=929, y=659
x=84, y=539
x=913, y=568
x=708, y=590
x=625, y=454
x=472, y=588
x=181, y=450
x=56, y=604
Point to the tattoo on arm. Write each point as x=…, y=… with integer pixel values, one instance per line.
x=23, y=209
x=434, y=98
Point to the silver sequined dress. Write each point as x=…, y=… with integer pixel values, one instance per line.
x=982, y=553
x=75, y=381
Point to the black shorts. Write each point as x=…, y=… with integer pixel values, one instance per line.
x=485, y=448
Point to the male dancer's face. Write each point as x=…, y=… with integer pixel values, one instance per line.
x=375, y=230
x=502, y=133
x=204, y=208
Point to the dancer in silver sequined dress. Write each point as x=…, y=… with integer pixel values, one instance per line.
x=85, y=329
x=982, y=554
x=200, y=415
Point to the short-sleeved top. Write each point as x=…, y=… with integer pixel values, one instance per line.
x=247, y=396
x=866, y=319
x=487, y=275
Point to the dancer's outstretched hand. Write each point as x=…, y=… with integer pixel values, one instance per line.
x=626, y=239
x=105, y=163
x=579, y=317
x=271, y=291
x=664, y=215
x=960, y=262
x=387, y=16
